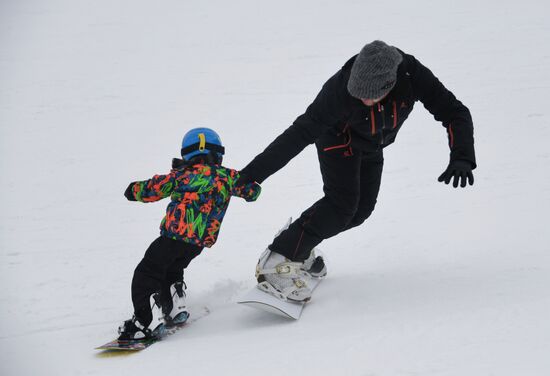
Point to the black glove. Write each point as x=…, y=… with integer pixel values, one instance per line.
x=459, y=170
x=129, y=192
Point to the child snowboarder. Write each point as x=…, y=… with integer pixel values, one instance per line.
x=200, y=189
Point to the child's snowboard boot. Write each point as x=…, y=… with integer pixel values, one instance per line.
x=175, y=311
x=133, y=329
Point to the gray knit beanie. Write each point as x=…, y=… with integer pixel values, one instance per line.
x=374, y=71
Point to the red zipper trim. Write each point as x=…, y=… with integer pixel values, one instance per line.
x=302, y=234
x=373, y=124
x=451, y=135
x=348, y=142
x=394, y=115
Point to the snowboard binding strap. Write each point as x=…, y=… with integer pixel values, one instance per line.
x=288, y=269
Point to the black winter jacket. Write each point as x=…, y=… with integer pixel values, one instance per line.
x=346, y=124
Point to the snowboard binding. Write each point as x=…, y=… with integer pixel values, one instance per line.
x=282, y=278
x=133, y=329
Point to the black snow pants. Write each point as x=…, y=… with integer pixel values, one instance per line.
x=351, y=181
x=162, y=265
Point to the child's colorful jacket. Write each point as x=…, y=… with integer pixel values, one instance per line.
x=199, y=194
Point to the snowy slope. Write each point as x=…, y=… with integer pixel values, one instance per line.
x=95, y=94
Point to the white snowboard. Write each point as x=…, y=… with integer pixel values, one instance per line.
x=264, y=301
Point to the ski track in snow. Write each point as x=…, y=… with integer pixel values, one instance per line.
x=438, y=281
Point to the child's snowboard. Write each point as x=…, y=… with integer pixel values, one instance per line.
x=264, y=301
x=131, y=346
x=140, y=344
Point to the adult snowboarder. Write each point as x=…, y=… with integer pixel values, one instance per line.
x=357, y=113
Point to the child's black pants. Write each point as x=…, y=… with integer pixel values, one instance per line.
x=162, y=265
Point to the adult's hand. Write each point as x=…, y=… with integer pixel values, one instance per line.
x=458, y=171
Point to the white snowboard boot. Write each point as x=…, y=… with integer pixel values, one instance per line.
x=133, y=329
x=178, y=313
x=282, y=278
x=315, y=264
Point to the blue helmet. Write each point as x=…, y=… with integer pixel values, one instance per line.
x=201, y=141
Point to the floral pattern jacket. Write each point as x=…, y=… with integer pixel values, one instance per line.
x=199, y=196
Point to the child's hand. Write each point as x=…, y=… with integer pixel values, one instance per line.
x=129, y=192
x=243, y=180
x=247, y=188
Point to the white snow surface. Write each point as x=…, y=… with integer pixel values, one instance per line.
x=439, y=281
